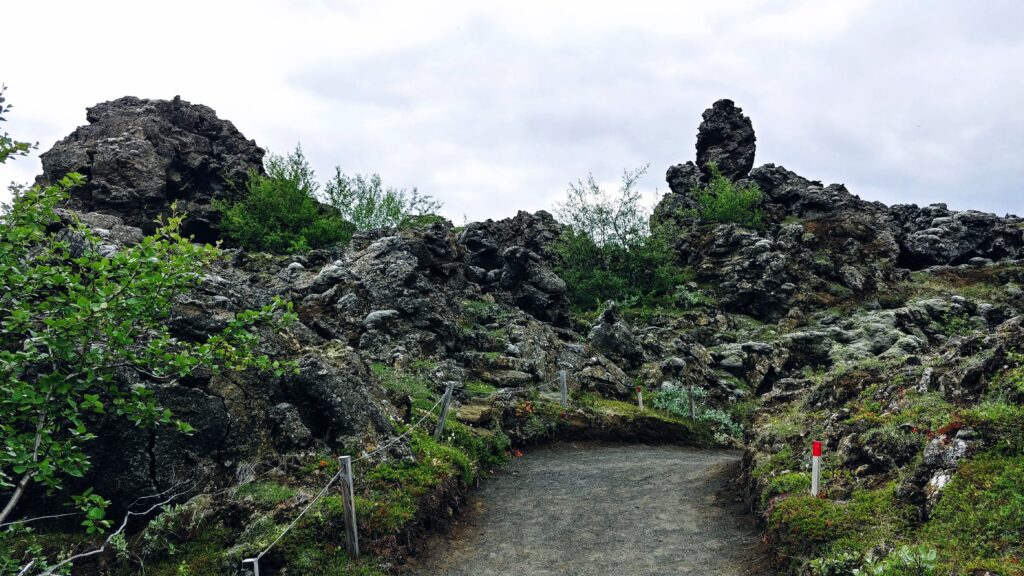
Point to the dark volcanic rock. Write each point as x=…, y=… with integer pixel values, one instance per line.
x=613, y=338
x=510, y=258
x=726, y=137
x=141, y=155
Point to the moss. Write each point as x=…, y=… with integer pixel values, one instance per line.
x=478, y=388
x=1000, y=424
x=268, y=493
x=787, y=483
x=979, y=520
x=410, y=384
x=803, y=527
x=766, y=465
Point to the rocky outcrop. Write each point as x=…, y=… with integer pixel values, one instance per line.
x=140, y=156
x=725, y=138
x=511, y=259
x=613, y=338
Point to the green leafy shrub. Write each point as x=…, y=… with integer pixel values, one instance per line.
x=364, y=201
x=723, y=201
x=280, y=213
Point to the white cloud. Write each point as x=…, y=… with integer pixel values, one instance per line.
x=494, y=107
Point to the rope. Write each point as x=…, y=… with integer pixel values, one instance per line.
x=516, y=390
x=338, y=475
x=404, y=434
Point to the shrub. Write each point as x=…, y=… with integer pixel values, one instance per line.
x=618, y=220
x=280, y=213
x=608, y=251
x=364, y=201
x=723, y=201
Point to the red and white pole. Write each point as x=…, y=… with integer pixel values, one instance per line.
x=815, y=466
x=640, y=397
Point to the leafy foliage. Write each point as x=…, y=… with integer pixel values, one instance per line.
x=608, y=251
x=364, y=201
x=723, y=201
x=9, y=147
x=280, y=213
x=606, y=219
x=77, y=327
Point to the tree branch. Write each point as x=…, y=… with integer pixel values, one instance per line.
x=169, y=495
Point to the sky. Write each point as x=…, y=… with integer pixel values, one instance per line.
x=494, y=107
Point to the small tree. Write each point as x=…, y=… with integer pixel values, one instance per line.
x=365, y=201
x=280, y=213
x=608, y=251
x=606, y=219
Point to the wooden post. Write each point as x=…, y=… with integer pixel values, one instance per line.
x=563, y=388
x=349, y=501
x=815, y=466
x=693, y=407
x=444, y=411
x=255, y=565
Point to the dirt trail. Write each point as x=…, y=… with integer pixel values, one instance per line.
x=587, y=510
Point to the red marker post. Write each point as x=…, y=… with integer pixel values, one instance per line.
x=815, y=466
x=640, y=397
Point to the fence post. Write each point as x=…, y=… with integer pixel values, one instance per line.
x=815, y=466
x=693, y=406
x=563, y=388
x=255, y=565
x=444, y=411
x=349, y=501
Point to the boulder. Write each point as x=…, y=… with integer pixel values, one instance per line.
x=613, y=338
x=140, y=156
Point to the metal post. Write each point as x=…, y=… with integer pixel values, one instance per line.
x=815, y=466
x=349, y=501
x=255, y=565
x=444, y=411
x=564, y=388
x=640, y=398
x=693, y=406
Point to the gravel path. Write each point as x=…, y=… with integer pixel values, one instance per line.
x=610, y=510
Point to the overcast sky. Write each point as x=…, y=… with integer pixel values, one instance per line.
x=495, y=106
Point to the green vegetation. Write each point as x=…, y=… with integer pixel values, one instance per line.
x=285, y=212
x=723, y=201
x=9, y=147
x=676, y=401
x=979, y=521
x=803, y=527
x=365, y=202
x=280, y=212
x=265, y=492
x=608, y=251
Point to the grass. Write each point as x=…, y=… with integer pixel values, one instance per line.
x=978, y=524
x=266, y=493
x=803, y=527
